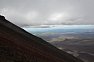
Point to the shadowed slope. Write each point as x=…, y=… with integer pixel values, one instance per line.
x=17, y=45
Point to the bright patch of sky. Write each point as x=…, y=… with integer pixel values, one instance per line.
x=60, y=27
x=57, y=28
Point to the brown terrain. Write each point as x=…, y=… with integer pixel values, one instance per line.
x=17, y=45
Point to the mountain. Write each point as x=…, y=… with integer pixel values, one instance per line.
x=17, y=45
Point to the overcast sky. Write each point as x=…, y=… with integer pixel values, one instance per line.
x=40, y=12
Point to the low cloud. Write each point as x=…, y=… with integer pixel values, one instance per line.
x=40, y=12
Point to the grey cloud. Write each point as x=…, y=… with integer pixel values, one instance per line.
x=37, y=12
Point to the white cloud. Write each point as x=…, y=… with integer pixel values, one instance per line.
x=55, y=16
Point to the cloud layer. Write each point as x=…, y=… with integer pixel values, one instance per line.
x=39, y=12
